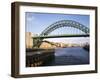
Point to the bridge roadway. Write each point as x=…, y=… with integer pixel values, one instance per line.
x=62, y=36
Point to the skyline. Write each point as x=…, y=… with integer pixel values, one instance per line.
x=70, y=40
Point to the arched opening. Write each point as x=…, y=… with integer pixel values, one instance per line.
x=60, y=24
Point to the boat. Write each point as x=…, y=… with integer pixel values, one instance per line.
x=86, y=47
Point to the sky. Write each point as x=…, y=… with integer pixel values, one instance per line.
x=37, y=22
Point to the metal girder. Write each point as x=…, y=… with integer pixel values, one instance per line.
x=65, y=23
x=60, y=24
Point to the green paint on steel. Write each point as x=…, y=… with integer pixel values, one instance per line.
x=60, y=24
x=60, y=36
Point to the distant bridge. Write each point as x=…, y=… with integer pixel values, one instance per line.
x=37, y=41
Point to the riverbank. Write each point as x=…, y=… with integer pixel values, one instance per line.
x=86, y=47
x=61, y=56
x=38, y=57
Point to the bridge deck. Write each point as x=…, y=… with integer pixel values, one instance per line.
x=60, y=36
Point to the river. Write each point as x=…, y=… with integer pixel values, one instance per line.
x=70, y=56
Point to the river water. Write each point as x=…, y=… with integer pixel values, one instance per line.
x=70, y=56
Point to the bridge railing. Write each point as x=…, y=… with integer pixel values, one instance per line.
x=60, y=36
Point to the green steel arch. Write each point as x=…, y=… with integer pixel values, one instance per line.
x=65, y=23
x=60, y=24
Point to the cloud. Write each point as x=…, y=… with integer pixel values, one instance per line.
x=30, y=18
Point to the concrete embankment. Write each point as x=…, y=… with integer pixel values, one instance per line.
x=38, y=57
